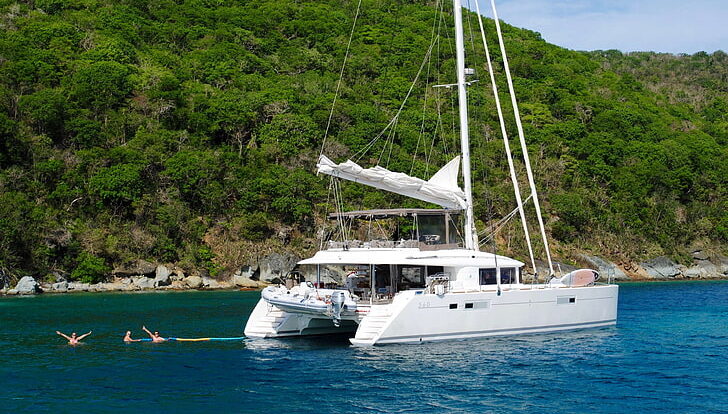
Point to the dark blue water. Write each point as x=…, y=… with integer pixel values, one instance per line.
x=668, y=353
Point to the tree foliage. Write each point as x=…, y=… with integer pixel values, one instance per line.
x=136, y=129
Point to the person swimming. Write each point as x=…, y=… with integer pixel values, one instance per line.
x=155, y=336
x=73, y=339
x=128, y=338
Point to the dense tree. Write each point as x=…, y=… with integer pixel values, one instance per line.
x=152, y=129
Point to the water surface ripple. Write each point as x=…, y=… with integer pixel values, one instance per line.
x=668, y=353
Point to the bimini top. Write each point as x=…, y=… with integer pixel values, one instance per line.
x=410, y=256
x=442, y=189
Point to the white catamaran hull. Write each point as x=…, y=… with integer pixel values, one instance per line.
x=414, y=316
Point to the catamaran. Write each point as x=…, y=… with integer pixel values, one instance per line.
x=430, y=282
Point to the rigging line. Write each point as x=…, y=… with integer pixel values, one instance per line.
x=427, y=84
x=341, y=77
x=506, y=142
x=507, y=217
x=522, y=138
x=395, y=119
x=500, y=224
x=323, y=232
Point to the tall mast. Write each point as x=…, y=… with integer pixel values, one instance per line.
x=470, y=234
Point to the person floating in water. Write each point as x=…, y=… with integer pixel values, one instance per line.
x=155, y=336
x=73, y=339
x=128, y=338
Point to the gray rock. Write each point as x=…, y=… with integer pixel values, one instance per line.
x=722, y=264
x=137, y=267
x=277, y=265
x=60, y=286
x=12, y=292
x=161, y=277
x=700, y=255
x=604, y=267
x=143, y=282
x=177, y=275
x=703, y=269
x=27, y=286
x=210, y=283
x=662, y=268
x=244, y=281
x=79, y=287
x=194, y=282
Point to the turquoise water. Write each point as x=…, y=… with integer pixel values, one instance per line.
x=668, y=353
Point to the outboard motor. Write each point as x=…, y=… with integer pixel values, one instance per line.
x=337, y=304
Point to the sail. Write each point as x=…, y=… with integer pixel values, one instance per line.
x=442, y=189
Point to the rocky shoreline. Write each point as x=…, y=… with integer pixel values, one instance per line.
x=145, y=276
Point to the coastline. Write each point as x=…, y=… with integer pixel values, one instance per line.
x=141, y=275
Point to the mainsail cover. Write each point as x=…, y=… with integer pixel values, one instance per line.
x=441, y=189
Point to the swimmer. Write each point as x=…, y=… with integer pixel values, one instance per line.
x=155, y=336
x=73, y=339
x=128, y=338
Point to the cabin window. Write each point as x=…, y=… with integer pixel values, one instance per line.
x=508, y=274
x=453, y=306
x=468, y=306
x=488, y=276
x=410, y=277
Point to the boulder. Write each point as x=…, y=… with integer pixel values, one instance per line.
x=78, y=287
x=244, y=281
x=661, y=268
x=604, y=267
x=177, y=275
x=27, y=286
x=137, y=267
x=277, y=265
x=210, y=283
x=193, y=282
x=161, y=277
x=704, y=269
x=700, y=255
x=143, y=282
x=60, y=287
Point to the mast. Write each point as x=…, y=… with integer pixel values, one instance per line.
x=524, y=149
x=470, y=234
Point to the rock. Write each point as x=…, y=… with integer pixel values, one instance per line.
x=703, y=269
x=143, y=282
x=178, y=284
x=137, y=267
x=177, y=275
x=161, y=277
x=12, y=292
x=210, y=283
x=79, y=287
x=244, y=281
x=721, y=262
x=661, y=268
x=277, y=265
x=60, y=276
x=700, y=255
x=27, y=286
x=604, y=267
x=60, y=287
x=194, y=282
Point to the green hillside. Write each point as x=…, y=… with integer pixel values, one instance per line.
x=187, y=131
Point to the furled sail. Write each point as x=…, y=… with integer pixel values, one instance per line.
x=441, y=189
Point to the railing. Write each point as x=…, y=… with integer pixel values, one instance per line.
x=389, y=244
x=439, y=283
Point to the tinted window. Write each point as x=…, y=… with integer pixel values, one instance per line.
x=487, y=276
x=508, y=275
